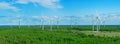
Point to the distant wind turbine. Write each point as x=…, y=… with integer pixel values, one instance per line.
x=98, y=21
x=19, y=21
x=71, y=20
x=57, y=21
x=43, y=18
x=28, y=22
x=93, y=24
x=50, y=19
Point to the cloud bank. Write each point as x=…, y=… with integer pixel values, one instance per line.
x=7, y=6
x=54, y=4
x=51, y=4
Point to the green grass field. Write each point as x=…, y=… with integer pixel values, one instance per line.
x=63, y=35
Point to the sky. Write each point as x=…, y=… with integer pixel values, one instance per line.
x=30, y=10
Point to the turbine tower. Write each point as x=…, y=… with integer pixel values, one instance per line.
x=98, y=21
x=19, y=21
x=28, y=22
x=57, y=21
x=43, y=18
x=70, y=19
x=93, y=24
x=50, y=22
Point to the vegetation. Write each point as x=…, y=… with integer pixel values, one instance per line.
x=63, y=35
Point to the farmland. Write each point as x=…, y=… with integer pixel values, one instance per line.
x=63, y=35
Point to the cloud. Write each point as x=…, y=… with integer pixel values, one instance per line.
x=7, y=6
x=53, y=4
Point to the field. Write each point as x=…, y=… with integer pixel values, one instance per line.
x=63, y=35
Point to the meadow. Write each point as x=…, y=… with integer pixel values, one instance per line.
x=62, y=35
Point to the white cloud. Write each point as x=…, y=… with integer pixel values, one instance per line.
x=7, y=6
x=53, y=4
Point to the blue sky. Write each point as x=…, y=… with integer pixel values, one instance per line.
x=85, y=9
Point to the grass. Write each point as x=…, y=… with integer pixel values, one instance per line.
x=103, y=34
x=63, y=35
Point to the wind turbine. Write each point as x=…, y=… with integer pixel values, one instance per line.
x=70, y=19
x=93, y=21
x=50, y=19
x=73, y=20
x=76, y=20
x=28, y=21
x=57, y=21
x=98, y=21
x=93, y=24
x=43, y=18
x=19, y=21
x=104, y=21
x=42, y=22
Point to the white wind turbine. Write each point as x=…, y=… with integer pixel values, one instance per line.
x=76, y=20
x=73, y=20
x=93, y=23
x=57, y=21
x=28, y=21
x=28, y=25
x=43, y=18
x=19, y=21
x=42, y=22
x=70, y=19
x=50, y=20
x=98, y=21
x=104, y=19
